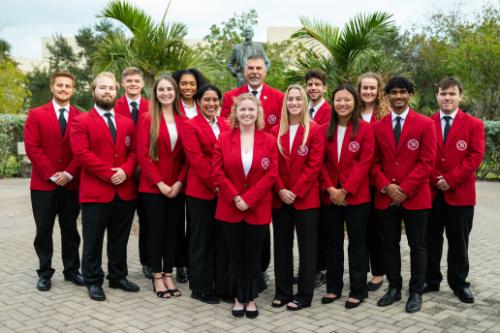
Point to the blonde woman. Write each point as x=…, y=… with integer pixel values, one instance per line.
x=296, y=203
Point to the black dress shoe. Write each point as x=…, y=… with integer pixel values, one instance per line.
x=43, y=283
x=238, y=313
x=464, y=295
x=252, y=314
x=182, y=275
x=374, y=286
x=75, y=278
x=428, y=288
x=328, y=300
x=414, y=303
x=392, y=295
x=148, y=273
x=352, y=305
x=124, y=285
x=96, y=293
x=319, y=279
x=205, y=298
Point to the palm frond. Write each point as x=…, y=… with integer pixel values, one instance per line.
x=315, y=32
x=135, y=19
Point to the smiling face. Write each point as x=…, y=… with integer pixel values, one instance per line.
x=187, y=86
x=449, y=99
x=368, y=90
x=62, y=89
x=399, y=99
x=255, y=72
x=295, y=103
x=165, y=93
x=343, y=104
x=246, y=112
x=104, y=92
x=209, y=104
x=133, y=85
x=315, y=89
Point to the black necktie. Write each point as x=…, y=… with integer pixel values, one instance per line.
x=135, y=111
x=62, y=121
x=111, y=125
x=397, y=129
x=255, y=92
x=311, y=112
x=447, y=127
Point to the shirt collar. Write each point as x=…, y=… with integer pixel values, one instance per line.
x=259, y=90
x=102, y=111
x=130, y=100
x=57, y=107
x=402, y=115
x=208, y=121
x=452, y=115
x=318, y=106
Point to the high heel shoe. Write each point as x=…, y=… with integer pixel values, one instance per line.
x=161, y=294
x=172, y=292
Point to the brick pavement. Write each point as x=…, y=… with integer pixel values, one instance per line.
x=67, y=308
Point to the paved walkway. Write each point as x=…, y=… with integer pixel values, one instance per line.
x=67, y=308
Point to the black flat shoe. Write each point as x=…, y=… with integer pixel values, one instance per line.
x=43, y=283
x=205, y=298
x=124, y=284
x=238, y=313
x=352, y=305
x=374, y=286
x=299, y=306
x=75, y=277
x=182, y=274
x=252, y=314
x=414, y=303
x=96, y=293
x=278, y=303
x=328, y=300
x=464, y=295
x=392, y=295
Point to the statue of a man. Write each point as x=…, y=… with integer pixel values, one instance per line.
x=241, y=52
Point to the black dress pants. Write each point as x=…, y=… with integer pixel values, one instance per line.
x=115, y=217
x=46, y=206
x=415, y=222
x=285, y=220
x=244, y=242
x=321, y=255
x=183, y=232
x=144, y=228
x=163, y=216
x=456, y=221
x=374, y=241
x=355, y=218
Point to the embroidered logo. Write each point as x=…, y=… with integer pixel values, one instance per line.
x=353, y=146
x=302, y=151
x=461, y=145
x=265, y=163
x=271, y=119
x=413, y=144
x=127, y=141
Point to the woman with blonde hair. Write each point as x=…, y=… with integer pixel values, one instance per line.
x=296, y=202
x=244, y=168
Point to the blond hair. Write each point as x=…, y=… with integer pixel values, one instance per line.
x=381, y=105
x=101, y=75
x=304, y=119
x=233, y=120
x=132, y=71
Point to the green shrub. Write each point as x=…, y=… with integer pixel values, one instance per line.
x=11, y=132
x=490, y=169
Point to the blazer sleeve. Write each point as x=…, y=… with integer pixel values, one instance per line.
x=472, y=161
x=81, y=150
x=226, y=188
x=427, y=159
x=362, y=167
x=227, y=102
x=33, y=146
x=377, y=175
x=150, y=170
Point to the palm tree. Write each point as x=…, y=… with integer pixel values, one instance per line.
x=154, y=48
x=347, y=53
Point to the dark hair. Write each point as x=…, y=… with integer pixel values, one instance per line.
x=199, y=78
x=399, y=82
x=317, y=74
x=203, y=89
x=356, y=113
x=450, y=81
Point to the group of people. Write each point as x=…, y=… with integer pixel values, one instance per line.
x=210, y=178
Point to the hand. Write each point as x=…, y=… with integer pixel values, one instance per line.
x=164, y=189
x=60, y=178
x=216, y=190
x=119, y=177
x=287, y=196
x=336, y=196
x=175, y=189
x=443, y=185
x=396, y=193
x=240, y=203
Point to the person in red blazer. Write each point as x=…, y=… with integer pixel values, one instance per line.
x=188, y=81
x=405, y=154
x=207, y=251
x=163, y=170
x=373, y=108
x=346, y=195
x=460, y=151
x=245, y=168
x=296, y=201
x=103, y=142
x=132, y=105
x=54, y=179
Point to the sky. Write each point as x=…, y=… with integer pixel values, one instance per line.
x=24, y=23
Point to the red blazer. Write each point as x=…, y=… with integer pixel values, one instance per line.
x=94, y=148
x=255, y=188
x=458, y=160
x=352, y=171
x=172, y=164
x=198, y=142
x=298, y=171
x=324, y=114
x=123, y=108
x=409, y=164
x=47, y=149
x=270, y=98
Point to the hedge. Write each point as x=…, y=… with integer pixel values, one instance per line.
x=11, y=132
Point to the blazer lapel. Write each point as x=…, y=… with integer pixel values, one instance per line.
x=345, y=144
x=236, y=151
x=457, y=124
x=165, y=134
x=439, y=130
x=256, y=158
x=407, y=126
x=387, y=124
x=100, y=122
x=53, y=120
x=207, y=129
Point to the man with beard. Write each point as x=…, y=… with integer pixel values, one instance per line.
x=103, y=142
x=54, y=179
